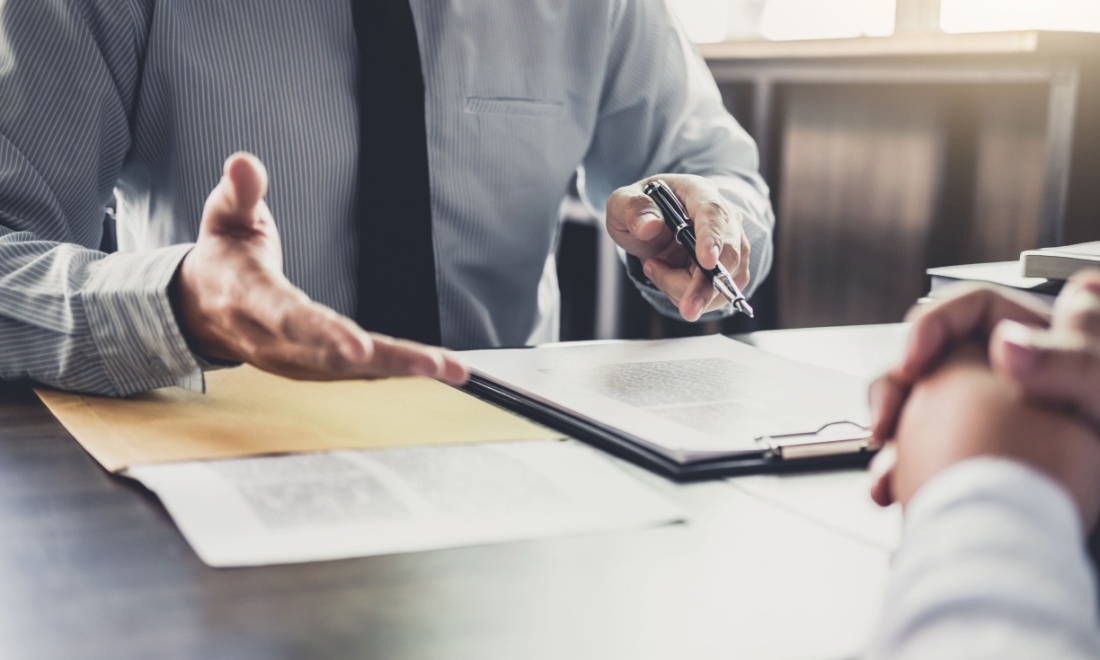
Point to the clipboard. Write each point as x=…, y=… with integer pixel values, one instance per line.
x=840, y=444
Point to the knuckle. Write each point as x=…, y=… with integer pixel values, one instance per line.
x=332, y=360
x=638, y=204
x=224, y=303
x=736, y=217
x=252, y=351
x=1078, y=368
x=657, y=276
x=1085, y=321
x=1085, y=277
x=979, y=294
x=715, y=210
x=1068, y=366
x=967, y=293
x=618, y=198
x=282, y=319
x=1089, y=356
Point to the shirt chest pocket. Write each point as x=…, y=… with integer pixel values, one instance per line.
x=514, y=107
x=522, y=138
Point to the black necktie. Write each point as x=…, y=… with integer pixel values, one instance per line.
x=397, y=293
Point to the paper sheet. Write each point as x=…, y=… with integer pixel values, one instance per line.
x=839, y=500
x=688, y=398
x=309, y=507
x=247, y=412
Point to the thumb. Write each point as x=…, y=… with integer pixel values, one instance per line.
x=246, y=177
x=882, y=474
x=633, y=215
x=234, y=204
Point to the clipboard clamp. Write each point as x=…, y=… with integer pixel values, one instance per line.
x=825, y=441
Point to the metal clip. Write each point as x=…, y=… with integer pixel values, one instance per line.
x=816, y=444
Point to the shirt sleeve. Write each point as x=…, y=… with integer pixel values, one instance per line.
x=71, y=316
x=992, y=564
x=661, y=111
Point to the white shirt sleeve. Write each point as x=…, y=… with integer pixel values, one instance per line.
x=992, y=564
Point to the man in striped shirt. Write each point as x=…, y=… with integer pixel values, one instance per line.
x=146, y=99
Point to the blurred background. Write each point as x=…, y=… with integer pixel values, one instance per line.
x=709, y=21
x=896, y=135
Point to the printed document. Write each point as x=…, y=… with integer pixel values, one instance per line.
x=690, y=399
x=341, y=504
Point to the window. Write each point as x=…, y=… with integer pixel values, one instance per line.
x=720, y=20
x=827, y=19
x=994, y=15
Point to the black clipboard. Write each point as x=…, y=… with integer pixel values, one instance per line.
x=820, y=449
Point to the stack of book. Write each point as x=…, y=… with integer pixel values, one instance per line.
x=1060, y=263
x=1040, y=273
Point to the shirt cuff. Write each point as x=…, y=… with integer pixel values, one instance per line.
x=1010, y=483
x=992, y=563
x=133, y=325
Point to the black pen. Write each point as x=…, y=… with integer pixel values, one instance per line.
x=678, y=222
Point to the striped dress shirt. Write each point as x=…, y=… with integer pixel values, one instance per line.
x=146, y=98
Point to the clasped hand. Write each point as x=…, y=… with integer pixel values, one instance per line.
x=1052, y=362
x=635, y=223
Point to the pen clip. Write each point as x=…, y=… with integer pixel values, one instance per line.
x=822, y=442
x=669, y=204
x=673, y=200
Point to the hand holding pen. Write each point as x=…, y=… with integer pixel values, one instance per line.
x=638, y=224
x=678, y=222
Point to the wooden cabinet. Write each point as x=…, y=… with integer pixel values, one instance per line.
x=888, y=156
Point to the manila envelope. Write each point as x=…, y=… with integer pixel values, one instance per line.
x=247, y=412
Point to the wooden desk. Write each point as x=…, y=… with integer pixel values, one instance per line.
x=92, y=567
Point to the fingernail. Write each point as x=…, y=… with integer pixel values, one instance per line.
x=874, y=398
x=1080, y=299
x=716, y=252
x=1092, y=286
x=647, y=268
x=350, y=351
x=1020, y=349
x=700, y=302
x=884, y=460
x=426, y=369
x=909, y=357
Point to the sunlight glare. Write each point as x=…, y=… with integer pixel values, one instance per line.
x=996, y=15
x=832, y=19
x=705, y=21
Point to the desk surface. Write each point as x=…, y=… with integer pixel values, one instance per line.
x=91, y=566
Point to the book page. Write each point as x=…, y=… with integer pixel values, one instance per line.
x=309, y=507
x=688, y=398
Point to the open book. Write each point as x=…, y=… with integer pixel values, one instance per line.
x=699, y=406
